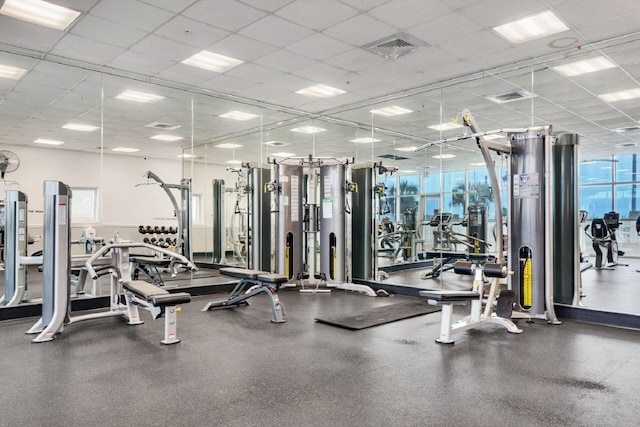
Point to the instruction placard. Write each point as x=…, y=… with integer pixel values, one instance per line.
x=327, y=208
x=526, y=186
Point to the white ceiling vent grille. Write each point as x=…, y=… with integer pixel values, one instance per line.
x=395, y=45
x=514, y=95
x=163, y=126
x=627, y=129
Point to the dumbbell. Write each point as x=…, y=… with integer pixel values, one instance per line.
x=149, y=229
x=141, y=229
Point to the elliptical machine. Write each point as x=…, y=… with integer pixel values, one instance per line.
x=603, y=235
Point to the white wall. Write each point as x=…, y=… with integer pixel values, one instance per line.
x=124, y=206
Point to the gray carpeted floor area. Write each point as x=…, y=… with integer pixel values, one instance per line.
x=236, y=368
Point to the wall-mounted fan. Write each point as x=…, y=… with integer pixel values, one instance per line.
x=9, y=162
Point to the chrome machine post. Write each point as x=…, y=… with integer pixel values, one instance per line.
x=56, y=262
x=531, y=226
x=15, y=246
x=185, y=214
x=260, y=221
x=566, y=217
x=290, y=245
x=219, y=235
x=362, y=224
x=333, y=223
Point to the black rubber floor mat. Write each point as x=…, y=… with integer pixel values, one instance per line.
x=380, y=315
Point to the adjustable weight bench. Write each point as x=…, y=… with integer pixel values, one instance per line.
x=257, y=282
x=478, y=317
x=159, y=302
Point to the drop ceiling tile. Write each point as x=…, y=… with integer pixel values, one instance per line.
x=364, y=5
x=226, y=14
x=186, y=74
x=409, y=13
x=102, y=30
x=276, y=31
x=254, y=73
x=319, y=47
x=321, y=73
x=614, y=27
x=491, y=13
x=141, y=63
x=284, y=60
x=242, y=48
x=267, y=5
x=356, y=60
x=163, y=48
x=170, y=5
x=316, y=15
x=226, y=84
x=472, y=44
x=190, y=32
x=72, y=46
x=131, y=13
x=445, y=29
x=360, y=30
x=23, y=34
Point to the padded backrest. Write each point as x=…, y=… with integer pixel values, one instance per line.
x=599, y=228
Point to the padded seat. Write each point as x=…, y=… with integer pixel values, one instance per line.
x=447, y=296
x=273, y=278
x=155, y=295
x=241, y=273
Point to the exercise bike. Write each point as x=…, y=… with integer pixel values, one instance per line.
x=603, y=235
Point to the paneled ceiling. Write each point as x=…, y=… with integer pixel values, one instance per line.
x=74, y=76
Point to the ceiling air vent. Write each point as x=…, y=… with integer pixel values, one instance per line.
x=514, y=95
x=391, y=156
x=627, y=129
x=626, y=145
x=163, y=126
x=395, y=46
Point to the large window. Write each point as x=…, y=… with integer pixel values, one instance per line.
x=84, y=205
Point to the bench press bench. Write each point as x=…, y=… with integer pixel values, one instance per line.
x=257, y=282
x=159, y=302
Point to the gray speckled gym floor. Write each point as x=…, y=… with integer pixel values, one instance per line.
x=236, y=368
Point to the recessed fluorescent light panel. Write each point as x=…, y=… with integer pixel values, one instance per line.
x=132, y=95
x=13, y=73
x=586, y=66
x=282, y=154
x=321, y=91
x=40, y=13
x=234, y=162
x=48, y=141
x=444, y=156
x=477, y=164
x=365, y=140
x=228, y=145
x=531, y=28
x=446, y=126
x=308, y=129
x=493, y=136
x=125, y=149
x=622, y=95
x=168, y=138
x=238, y=115
x=187, y=156
x=80, y=127
x=212, y=61
x=391, y=111
x=408, y=171
x=407, y=149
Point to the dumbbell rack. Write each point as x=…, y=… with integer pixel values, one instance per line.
x=155, y=232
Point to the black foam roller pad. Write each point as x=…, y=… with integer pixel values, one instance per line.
x=492, y=269
x=464, y=267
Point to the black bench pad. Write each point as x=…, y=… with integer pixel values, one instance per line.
x=241, y=273
x=155, y=295
x=273, y=278
x=150, y=260
x=445, y=296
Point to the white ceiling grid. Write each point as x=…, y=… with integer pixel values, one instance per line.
x=287, y=45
